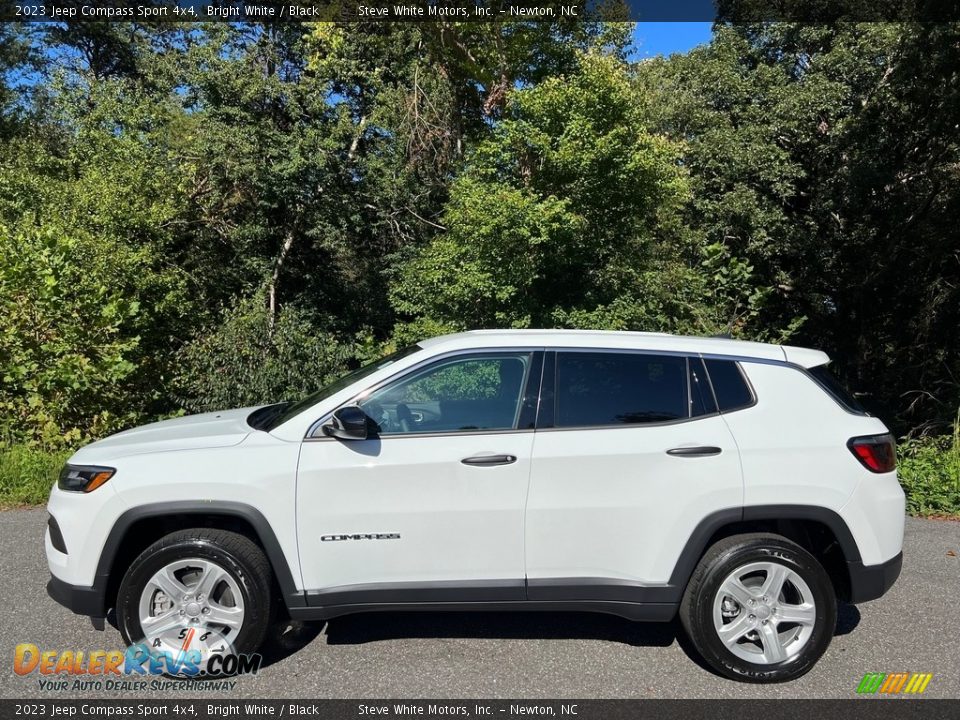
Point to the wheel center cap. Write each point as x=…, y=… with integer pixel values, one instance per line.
x=762, y=612
x=193, y=609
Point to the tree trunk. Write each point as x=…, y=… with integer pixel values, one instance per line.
x=274, y=279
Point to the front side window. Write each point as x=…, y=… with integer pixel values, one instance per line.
x=273, y=416
x=460, y=394
x=614, y=388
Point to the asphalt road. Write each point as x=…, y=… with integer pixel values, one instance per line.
x=914, y=628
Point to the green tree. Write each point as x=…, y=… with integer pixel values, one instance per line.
x=567, y=215
x=65, y=351
x=89, y=209
x=14, y=55
x=823, y=157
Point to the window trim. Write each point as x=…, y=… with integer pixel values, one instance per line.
x=706, y=376
x=548, y=376
x=618, y=426
x=315, y=434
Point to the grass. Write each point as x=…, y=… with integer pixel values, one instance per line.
x=27, y=474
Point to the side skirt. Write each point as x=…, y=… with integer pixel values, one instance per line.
x=614, y=597
x=641, y=612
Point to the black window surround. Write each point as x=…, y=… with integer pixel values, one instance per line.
x=539, y=400
x=529, y=401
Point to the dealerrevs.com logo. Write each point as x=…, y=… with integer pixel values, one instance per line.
x=894, y=683
x=132, y=669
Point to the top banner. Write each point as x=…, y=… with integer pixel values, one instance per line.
x=265, y=11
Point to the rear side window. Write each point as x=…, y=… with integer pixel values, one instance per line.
x=729, y=385
x=836, y=390
x=607, y=388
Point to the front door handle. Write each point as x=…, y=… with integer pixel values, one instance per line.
x=489, y=460
x=698, y=451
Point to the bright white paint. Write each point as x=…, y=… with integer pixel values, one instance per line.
x=577, y=503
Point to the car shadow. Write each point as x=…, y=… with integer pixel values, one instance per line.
x=374, y=627
x=288, y=638
x=848, y=617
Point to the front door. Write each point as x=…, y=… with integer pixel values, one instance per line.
x=432, y=507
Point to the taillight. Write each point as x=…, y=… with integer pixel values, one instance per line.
x=877, y=453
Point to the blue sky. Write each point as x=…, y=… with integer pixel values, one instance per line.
x=664, y=38
x=649, y=39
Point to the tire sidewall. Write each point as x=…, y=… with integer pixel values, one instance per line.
x=155, y=558
x=823, y=594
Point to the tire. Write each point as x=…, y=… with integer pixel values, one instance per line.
x=231, y=564
x=774, y=650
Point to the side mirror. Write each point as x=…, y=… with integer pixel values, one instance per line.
x=348, y=423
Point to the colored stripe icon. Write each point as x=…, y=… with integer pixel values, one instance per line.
x=894, y=683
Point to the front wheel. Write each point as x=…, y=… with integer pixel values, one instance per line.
x=759, y=608
x=200, y=590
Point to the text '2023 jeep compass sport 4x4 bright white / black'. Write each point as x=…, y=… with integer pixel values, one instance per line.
x=734, y=484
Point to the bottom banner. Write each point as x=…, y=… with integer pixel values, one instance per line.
x=857, y=709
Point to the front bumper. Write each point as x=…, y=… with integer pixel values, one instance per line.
x=868, y=582
x=81, y=600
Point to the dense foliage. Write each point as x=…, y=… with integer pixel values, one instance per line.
x=929, y=471
x=205, y=216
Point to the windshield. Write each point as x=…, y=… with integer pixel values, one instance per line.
x=274, y=416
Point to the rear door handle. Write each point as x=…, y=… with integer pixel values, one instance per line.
x=489, y=460
x=698, y=451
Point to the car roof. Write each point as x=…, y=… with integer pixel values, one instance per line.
x=622, y=340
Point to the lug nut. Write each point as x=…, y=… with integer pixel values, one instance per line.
x=183, y=612
x=199, y=598
x=206, y=611
x=753, y=617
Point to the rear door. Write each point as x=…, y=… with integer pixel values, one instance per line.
x=630, y=454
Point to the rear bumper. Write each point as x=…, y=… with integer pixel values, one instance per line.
x=868, y=582
x=81, y=600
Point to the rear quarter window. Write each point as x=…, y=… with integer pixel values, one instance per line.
x=729, y=385
x=836, y=389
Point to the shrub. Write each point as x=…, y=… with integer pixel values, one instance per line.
x=27, y=473
x=245, y=362
x=64, y=353
x=929, y=471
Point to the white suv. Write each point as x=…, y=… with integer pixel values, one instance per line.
x=734, y=484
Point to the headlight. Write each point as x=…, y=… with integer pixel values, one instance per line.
x=83, y=478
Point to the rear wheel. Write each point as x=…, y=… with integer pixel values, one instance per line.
x=759, y=608
x=202, y=589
